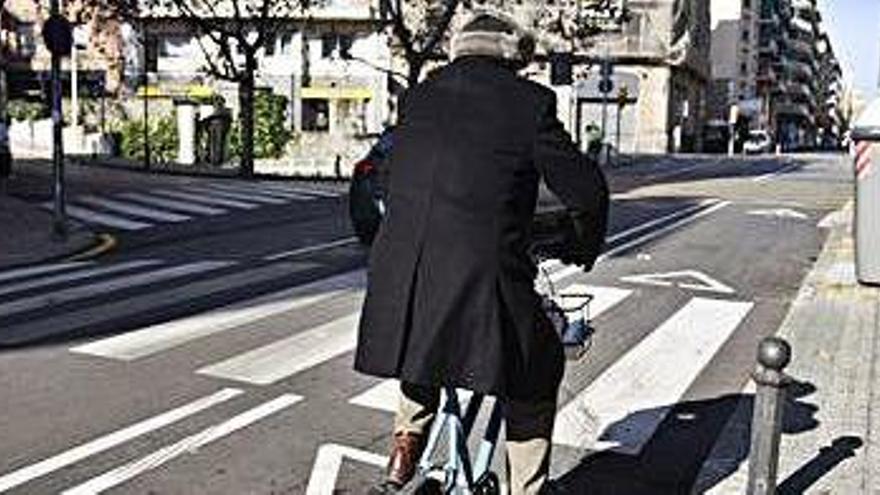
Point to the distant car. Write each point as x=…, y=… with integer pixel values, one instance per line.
x=759, y=141
x=367, y=189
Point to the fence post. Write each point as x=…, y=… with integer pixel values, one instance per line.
x=774, y=355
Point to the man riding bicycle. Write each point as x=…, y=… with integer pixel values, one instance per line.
x=451, y=298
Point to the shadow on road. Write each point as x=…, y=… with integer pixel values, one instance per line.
x=671, y=462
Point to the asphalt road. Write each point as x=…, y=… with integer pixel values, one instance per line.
x=212, y=353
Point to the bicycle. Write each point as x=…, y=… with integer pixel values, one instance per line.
x=458, y=475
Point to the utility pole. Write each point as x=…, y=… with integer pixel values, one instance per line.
x=145, y=85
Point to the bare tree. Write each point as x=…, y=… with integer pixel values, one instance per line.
x=422, y=27
x=230, y=34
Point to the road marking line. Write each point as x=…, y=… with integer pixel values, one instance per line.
x=328, y=461
x=251, y=198
x=132, y=209
x=266, y=191
x=201, y=198
x=302, y=190
x=657, y=233
x=287, y=357
x=41, y=270
x=90, y=216
x=312, y=249
x=101, y=444
x=188, y=445
x=623, y=407
x=157, y=338
x=384, y=395
x=173, y=204
x=132, y=307
x=74, y=276
x=771, y=175
x=657, y=221
x=686, y=279
x=120, y=283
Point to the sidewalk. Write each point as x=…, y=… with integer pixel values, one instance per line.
x=27, y=233
x=831, y=430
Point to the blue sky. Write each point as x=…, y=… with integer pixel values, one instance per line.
x=854, y=27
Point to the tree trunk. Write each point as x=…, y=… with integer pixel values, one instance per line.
x=246, y=117
x=415, y=63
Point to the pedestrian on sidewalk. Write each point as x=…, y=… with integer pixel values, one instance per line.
x=451, y=299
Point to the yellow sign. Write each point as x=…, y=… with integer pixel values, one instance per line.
x=336, y=93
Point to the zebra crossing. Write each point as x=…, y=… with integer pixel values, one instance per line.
x=620, y=409
x=134, y=211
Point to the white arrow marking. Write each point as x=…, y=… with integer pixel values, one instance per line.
x=686, y=279
x=328, y=461
x=779, y=213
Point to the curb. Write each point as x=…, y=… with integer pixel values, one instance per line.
x=104, y=245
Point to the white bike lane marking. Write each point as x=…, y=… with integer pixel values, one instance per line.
x=106, y=442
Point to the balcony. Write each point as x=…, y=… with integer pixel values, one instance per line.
x=768, y=47
x=794, y=110
x=800, y=46
x=802, y=70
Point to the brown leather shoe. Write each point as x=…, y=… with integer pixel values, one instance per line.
x=404, y=460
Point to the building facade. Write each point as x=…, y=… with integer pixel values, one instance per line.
x=330, y=63
x=659, y=59
x=772, y=60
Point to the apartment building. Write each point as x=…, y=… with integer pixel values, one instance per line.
x=99, y=62
x=660, y=60
x=772, y=60
x=331, y=62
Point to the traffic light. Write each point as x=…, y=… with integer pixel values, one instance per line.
x=561, y=73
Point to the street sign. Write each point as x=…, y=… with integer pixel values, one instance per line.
x=58, y=35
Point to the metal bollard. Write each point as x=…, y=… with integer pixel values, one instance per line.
x=774, y=354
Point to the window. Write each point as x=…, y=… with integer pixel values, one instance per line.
x=175, y=46
x=270, y=45
x=316, y=115
x=743, y=69
x=747, y=4
x=333, y=42
x=746, y=35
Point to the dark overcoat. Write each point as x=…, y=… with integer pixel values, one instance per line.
x=450, y=297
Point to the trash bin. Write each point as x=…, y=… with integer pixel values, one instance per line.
x=217, y=126
x=866, y=160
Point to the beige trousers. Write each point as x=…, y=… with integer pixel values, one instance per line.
x=529, y=427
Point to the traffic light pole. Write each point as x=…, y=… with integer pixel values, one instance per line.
x=59, y=225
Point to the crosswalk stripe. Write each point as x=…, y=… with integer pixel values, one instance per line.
x=125, y=282
x=302, y=190
x=41, y=270
x=173, y=204
x=188, y=445
x=249, y=197
x=263, y=191
x=107, y=442
x=91, y=216
x=132, y=209
x=287, y=357
x=161, y=337
x=74, y=276
x=125, y=309
x=384, y=395
x=204, y=199
x=623, y=407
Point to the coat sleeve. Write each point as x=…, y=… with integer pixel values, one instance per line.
x=577, y=181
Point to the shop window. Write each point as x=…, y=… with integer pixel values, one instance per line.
x=316, y=115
